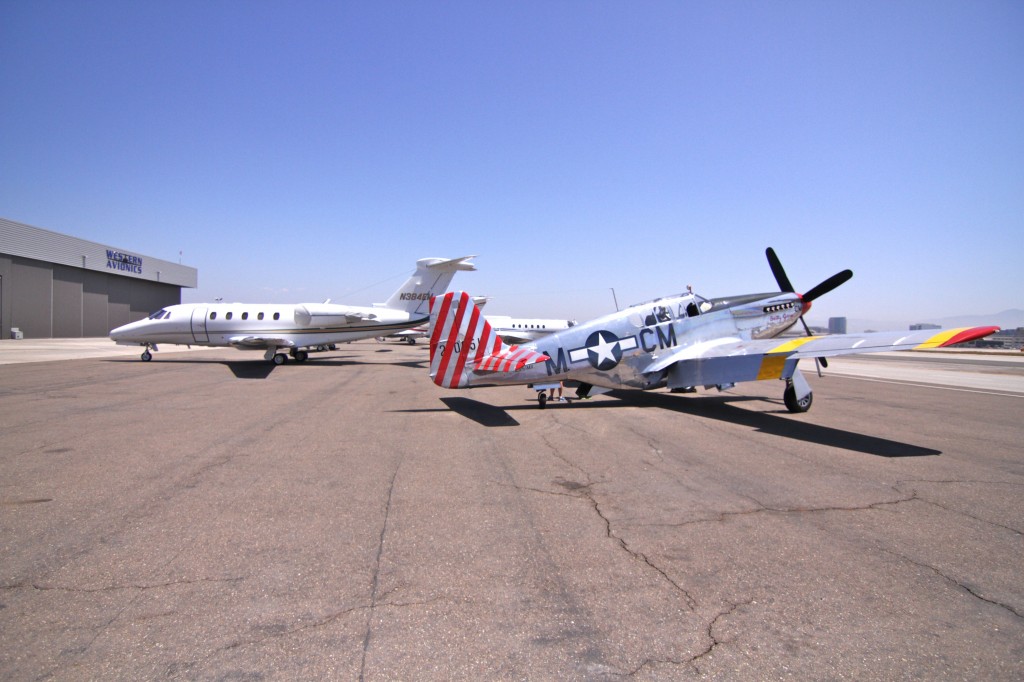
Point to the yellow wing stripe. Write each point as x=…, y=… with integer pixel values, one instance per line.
x=771, y=367
x=941, y=338
x=792, y=344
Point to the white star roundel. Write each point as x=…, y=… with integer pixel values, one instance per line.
x=603, y=350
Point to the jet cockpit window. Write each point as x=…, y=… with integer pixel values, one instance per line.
x=161, y=314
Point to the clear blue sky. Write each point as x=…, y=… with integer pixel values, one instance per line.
x=299, y=151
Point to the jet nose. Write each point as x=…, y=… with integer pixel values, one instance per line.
x=124, y=332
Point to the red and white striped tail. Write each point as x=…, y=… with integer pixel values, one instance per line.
x=462, y=342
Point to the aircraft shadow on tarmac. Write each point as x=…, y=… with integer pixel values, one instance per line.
x=717, y=407
x=261, y=369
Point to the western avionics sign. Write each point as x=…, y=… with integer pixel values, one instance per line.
x=124, y=261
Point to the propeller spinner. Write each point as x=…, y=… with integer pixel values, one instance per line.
x=814, y=292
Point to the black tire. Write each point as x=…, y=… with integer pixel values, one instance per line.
x=542, y=398
x=280, y=358
x=794, y=405
x=300, y=356
x=146, y=356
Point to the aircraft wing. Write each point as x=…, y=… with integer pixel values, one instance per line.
x=732, y=360
x=260, y=342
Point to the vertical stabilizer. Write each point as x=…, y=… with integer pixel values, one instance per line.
x=459, y=338
x=463, y=344
x=432, y=277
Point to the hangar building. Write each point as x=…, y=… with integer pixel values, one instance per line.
x=56, y=286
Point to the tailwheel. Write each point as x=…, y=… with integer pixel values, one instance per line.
x=794, y=405
x=542, y=399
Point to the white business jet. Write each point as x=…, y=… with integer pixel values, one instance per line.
x=275, y=327
x=526, y=329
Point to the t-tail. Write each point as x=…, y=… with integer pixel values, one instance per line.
x=464, y=346
x=432, y=277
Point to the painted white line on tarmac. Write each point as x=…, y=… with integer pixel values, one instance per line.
x=943, y=388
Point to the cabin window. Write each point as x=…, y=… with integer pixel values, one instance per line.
x=228, y=316
x=277, y=316
x=245, y=316
x=213, y=316
x=260, y=316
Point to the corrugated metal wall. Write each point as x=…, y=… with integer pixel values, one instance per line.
x=52, y=295
x=19, y=239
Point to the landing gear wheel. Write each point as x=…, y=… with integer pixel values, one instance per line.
x=542, y=399
x=794, y=405
x=411, y=341
x=300, y=355
x=146, y=355
x=280, y=358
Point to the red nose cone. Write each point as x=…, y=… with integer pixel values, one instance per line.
x=806, y=305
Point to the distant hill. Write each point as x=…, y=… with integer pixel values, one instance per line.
x=1008, y=319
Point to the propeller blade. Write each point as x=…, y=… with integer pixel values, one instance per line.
x=828, y=285
x=778, y=271
x=823, y=362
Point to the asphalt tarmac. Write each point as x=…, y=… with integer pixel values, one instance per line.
x=208, y=516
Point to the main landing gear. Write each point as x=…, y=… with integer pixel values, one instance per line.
x=794, y=404
x=298, y=355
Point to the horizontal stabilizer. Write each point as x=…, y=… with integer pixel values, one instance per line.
x=509, y=359
x=452, y=264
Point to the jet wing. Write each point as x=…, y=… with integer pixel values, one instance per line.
x=260, y=342
x=732, y=360
x=512, y=339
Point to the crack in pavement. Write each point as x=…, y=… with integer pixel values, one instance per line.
x=583, y=492
x=765, y=509
x=961, y=512
x=376, y=574
x=955, y=582
x=129, y=586
x=694, y=660
x=716, y=642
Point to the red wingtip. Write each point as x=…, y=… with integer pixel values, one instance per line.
x=969, y=335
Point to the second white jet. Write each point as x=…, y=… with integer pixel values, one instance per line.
x=275, y=327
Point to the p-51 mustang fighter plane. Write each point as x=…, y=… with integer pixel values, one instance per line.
x=681, y=342
x=293, y=327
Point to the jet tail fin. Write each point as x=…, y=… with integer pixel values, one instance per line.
x=462, y=343
x=432, y=277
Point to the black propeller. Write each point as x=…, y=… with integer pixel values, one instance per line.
x=828, y=285
x=813, y=293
